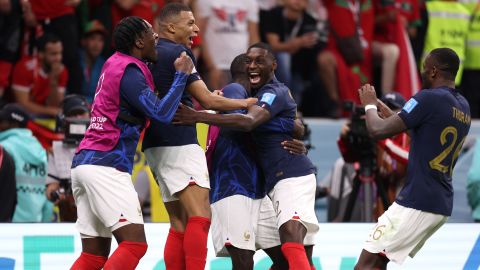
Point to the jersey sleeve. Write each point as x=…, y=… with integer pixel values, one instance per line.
x=194, y=76
x=134, y=89
x=416, y=110
x=271, y=100
x=235, y=91
x=22, y=79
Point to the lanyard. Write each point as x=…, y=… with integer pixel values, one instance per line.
x=295, y=29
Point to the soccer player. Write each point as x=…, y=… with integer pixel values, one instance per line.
x=173, y=153
x=101, y=169
x=438, y=118
x=242, y=219
x=289, y=179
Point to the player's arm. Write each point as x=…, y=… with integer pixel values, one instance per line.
x=377, y=127
x=139, y=95
x=211, y=101
x=245, y=122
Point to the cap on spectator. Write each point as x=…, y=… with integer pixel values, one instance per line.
x=393, y=100
x=14, y=113
x=93, y=27
x=74, y=105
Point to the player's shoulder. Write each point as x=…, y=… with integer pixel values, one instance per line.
x=234, y=88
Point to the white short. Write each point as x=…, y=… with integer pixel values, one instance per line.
x=176, y=167
x=234, y=222
x=105, y=199
x=402, y=231
x=294, y=199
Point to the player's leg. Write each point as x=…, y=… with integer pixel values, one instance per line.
x=114, y=202
x=242, y=259
x=173, y=253
x=373, y=261
x=400, y=232
x=294, y=201
x=95, y=249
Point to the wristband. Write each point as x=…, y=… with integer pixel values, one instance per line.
x=370, y=106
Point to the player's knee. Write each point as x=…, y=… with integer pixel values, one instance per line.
x=241, y=259
x=292, y=231
x=138, y=249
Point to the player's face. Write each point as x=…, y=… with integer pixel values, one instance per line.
x=260, y=67
x=427, y=79
x=186, y=29
x=149, y=40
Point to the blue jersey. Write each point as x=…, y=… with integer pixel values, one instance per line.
x=143, y=102
x=276, y=163
x=439, y=120
x=159, y=134
x=234, y=170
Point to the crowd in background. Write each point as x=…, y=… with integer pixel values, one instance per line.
x=326, y=49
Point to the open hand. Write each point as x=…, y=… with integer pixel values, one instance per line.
x=367, y=95
x=185, y=116
x=295, y=147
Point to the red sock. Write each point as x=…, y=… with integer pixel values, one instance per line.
x=312, y=267
x=126, y=256
x=173, y=254
x=296, y=256
x=88, y=261
x=195, y=242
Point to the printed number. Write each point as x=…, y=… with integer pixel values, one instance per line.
x=378, y=232
x=436, y=163
x=34, y=169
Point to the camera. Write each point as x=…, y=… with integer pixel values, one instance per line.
x=358, y=136
x=65, y=189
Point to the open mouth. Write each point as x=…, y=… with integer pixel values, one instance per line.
x=254, y=77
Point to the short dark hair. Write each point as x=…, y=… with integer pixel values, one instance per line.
x=171, y=10
x=264, y=46
x=238, y=66
x=447, y=62
x=127, y=31
x=46, y=38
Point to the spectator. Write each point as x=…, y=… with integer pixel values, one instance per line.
x=39, y=83
x=31, y=165
x=91, y=60
x=10, y=34
x=229, y=27
x=145, y=9
x=346, y=63
x=391, y=46
x=58, y=17
x=293, y=35
x=75, y=111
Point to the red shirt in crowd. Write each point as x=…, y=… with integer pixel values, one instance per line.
x=45, y=9
x=29, y=76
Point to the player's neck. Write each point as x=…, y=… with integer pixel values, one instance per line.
x=443, y=83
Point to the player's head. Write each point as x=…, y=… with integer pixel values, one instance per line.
x=261, y=64
x=135, y=34
x=50, y=50
x=176, y=22
x=440, y=65
x=238, y=67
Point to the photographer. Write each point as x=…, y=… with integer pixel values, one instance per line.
x=73, y=121
x=383, y=162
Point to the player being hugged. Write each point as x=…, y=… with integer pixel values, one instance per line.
x=289, y=178
x=107, y=202
x=438, y=118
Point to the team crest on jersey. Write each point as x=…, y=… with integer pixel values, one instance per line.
x=410, y=105
x=268, y=98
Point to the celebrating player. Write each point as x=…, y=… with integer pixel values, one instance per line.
x=438, y=118
x=173, y=153
x=101, y=170
x=290, y=179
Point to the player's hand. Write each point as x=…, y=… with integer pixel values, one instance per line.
x=217, y=92
x=345, y=130
x=383, y=110
x=51, y=188
x=295, y=147
x=185, y=116
x=183, y=63
x=251, y=101
x=298, y=129
x=367, y=95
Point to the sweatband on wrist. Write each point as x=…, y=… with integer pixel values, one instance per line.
x=370, y=106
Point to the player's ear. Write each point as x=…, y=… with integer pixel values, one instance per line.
x=139, y=43
x=274, y=65
x=171, y=28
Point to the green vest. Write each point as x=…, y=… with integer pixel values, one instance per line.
x=472, y=44
x=448, y=24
